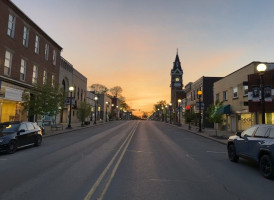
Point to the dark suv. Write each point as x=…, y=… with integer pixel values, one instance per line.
x=15, y=135
x=256, y=143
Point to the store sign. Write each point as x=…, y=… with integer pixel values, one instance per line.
x=12, y=94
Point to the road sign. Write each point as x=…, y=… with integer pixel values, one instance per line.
x=198, y=106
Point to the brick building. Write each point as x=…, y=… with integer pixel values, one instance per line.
x=28, y=56
x=204, y=84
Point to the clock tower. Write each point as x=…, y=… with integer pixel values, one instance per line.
x=176, y=81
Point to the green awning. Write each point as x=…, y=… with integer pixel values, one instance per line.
x=224, y=110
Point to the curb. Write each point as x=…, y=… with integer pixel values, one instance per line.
x=71, y=130
x=199, y=134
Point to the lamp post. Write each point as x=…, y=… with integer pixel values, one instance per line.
x=179, y=112
x=95, y=113
x=170, y=112
x=71, y=89
x=106, y=111
x=261, y=69
x=166, y=113
x=200, y=111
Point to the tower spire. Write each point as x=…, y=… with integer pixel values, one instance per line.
x=177, y=51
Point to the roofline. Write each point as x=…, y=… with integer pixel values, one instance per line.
x=20, y=12
x=254, y=62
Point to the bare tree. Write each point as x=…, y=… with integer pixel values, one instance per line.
x=116, y=91
x=99, y=88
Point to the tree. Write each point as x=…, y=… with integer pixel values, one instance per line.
x=43, y=100
x=213, y=115
x=116, y=91
x=83, y=112
x=99, y=88
x=189, y=117
x=145, y=115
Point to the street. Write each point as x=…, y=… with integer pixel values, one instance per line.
x=129, y=160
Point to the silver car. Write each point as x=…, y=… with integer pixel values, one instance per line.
x=255, y=143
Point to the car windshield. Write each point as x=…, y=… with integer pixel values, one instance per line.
x=8, y=128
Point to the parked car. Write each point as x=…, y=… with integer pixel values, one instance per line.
x=15, y=135
x=255, y=143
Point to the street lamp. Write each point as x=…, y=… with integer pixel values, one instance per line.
x=166, y=113
x=200, y=111
x=106, y=111
x=179, y=107
x=170, y=112
x=95, y=114
x=261, y=69
x=71, y=89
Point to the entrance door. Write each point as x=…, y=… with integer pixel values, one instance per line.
x=233, y=124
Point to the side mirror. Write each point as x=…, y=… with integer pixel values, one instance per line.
x=239, y=133
x=21, y=131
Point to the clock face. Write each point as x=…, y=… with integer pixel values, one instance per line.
x=177, y=79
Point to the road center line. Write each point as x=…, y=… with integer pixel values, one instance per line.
x=102, y=175
x=117, y=165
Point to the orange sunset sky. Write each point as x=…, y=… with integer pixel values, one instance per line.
x=133, y=44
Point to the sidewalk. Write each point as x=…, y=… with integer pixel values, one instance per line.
x=221, y=136
x=74, y=126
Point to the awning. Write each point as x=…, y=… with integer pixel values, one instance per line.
x=224, y=110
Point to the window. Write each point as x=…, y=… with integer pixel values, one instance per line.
x=34, y=74
x=45, y=77
x=224, y=96
x=54, y=57
x=249, y=132
x=218, y=97
x=8, y=61
x=23, y=70
x=23, y=127
x=271, y=134
x=245, y=88
x=30, y=126
x=37, y=44
x=261, y=131
x=235, y=92
x=26, y=36
x=46, y=51
x=52, y=80
x=11, y=26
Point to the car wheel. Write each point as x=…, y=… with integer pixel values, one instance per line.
x=232, y=153
x=12, y=147
x=38, y=140
x=266, y=167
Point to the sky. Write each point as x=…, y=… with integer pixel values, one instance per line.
x=133, y=43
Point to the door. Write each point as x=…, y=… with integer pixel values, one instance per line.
x=22, y=135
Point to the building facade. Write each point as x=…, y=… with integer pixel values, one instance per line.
x=233, y=91
x=189, y=104
x=28, y=57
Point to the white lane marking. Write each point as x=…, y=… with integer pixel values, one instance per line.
x=215, y=152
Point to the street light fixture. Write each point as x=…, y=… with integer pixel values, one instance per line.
x=200, y=111
x=106, y=111
x=261, y=69
x=179, y=112
x=71, y=89
x=95, y=114
x=170, y=104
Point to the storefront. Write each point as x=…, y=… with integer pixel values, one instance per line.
x=10, y=103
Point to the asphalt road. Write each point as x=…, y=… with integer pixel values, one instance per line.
x=129, y=160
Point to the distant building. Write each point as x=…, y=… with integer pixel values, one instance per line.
x=204, y=84
x=176, y=84
x=28, y=57
x=69, y=76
